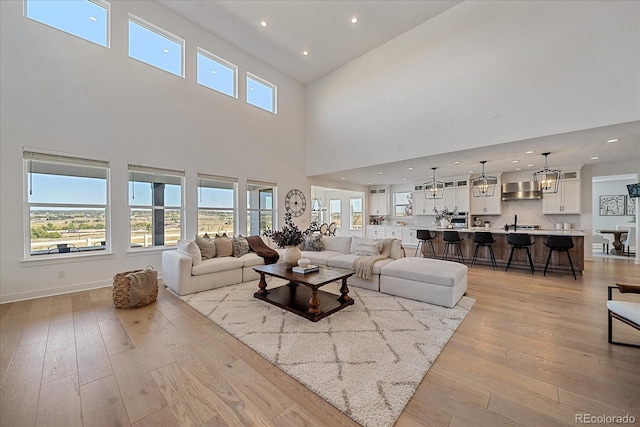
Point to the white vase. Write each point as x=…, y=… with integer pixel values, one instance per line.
x=444, y=223
x=291, y=256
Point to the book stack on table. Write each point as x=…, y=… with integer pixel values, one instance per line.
x=308, y=269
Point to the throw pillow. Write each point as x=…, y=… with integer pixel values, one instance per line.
x=313, y=243
x=189, y=247
x=386, y=247
x=224, y=246
x=240, y=246
x=397, y=251
x=368, y=248
x=207, y=247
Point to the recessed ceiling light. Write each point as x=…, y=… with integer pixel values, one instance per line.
x=264, y=23
x=515, y=161
x=613, y=140
x=165, y=50
x=213, y=71
x=410, y=169
x=380, y=173
x=595, y=158
x=93, y=18
x=369, y=183
x=518, y=169
x=528, y=152
x=305, y=52
x=457, y=162
x=354, y=20
x=470, y=171
x=530, y=164
x=343, y=178
x=404, y=179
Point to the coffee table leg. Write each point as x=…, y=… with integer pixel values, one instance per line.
x=314, y=302
x=263, y=286
x=344, y=290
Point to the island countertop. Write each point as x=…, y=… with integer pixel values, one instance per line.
x=501, y=230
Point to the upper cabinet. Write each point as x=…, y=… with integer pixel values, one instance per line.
x=379, y=201
x=488, y=205
x=421, y=205
x=567, y=199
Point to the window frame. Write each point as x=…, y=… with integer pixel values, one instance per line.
x=234, y=210
x=102, y=3
x=273, y=87
x=396, y=204
x=222, y=62
x=132, y=169
x=28, y=156
x=161, y=32
x=260, y=210
x=351, y=212
x=339, y=212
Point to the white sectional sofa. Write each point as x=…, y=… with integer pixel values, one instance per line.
x=428, y=280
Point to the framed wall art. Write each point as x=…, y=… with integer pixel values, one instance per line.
x=612, y=205
x=630, y=206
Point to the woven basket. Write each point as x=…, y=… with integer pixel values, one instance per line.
x=135, y=288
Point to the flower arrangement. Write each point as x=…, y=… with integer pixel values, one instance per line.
x=445, y=213
x=290, y=235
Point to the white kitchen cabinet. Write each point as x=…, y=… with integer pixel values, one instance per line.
x=392, y=232
x=379, y=201
x=487, y=205
x=421, y=205
x=409, y=237
x=567, y=199
x=375, y=232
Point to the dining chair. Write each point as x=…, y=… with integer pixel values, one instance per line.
x=323, y=229
x=332, y=229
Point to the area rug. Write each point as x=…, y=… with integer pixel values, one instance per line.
x=366, y=360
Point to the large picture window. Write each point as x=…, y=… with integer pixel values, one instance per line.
x=67, y=204
x=355, y=221
x=86, y=19
x=155, y=206
x=216, y=205
x=260, y=207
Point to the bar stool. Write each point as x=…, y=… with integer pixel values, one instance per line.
x=560, y=244
x=484, y=238
x=520, y=241
x=452, y=238
x=424, y=237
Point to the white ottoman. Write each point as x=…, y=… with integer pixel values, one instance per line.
x=424, y=279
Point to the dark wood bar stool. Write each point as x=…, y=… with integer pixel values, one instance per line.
x=452, y=238
x=559, y=244
x=484, y=238
x=424, y=237
x=520, y=241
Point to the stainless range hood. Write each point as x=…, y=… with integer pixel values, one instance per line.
x=520, y=191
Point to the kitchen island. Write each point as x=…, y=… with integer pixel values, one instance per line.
x=502, y=249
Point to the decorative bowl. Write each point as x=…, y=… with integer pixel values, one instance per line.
x=304, y=262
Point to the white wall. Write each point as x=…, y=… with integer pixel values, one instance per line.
x=62, y=93
x=543, y=67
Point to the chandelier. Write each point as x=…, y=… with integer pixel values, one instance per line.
x=433, y=189
x=547, y=180
x=484, y=186
x=316, y=204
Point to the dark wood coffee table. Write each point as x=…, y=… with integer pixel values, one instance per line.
x=306, y=301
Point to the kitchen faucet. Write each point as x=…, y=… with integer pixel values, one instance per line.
x=515, y=224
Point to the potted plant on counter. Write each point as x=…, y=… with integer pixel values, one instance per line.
x=443, y=217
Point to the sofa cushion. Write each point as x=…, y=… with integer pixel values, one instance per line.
x=189, y=247
x=240, y=246
x=340, y=244
x=426, y=270
x=627, y=309
x=224, y=246
x=396, y=249
x=320, y=258
x=207, y=247
x=313, y=242
x=215, y=265
x=251, y=259
x=346, y=262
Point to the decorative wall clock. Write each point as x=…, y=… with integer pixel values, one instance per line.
x=295, y=202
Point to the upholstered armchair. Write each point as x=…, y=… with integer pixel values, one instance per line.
x=625, y=311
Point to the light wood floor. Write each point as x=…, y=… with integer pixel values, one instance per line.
x=532, y=352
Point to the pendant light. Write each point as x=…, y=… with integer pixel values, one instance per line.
x=547, y=180
x=433, y=189
x=316, y=204
x=484, y=186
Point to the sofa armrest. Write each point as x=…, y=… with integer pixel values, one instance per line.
x=176, y=271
